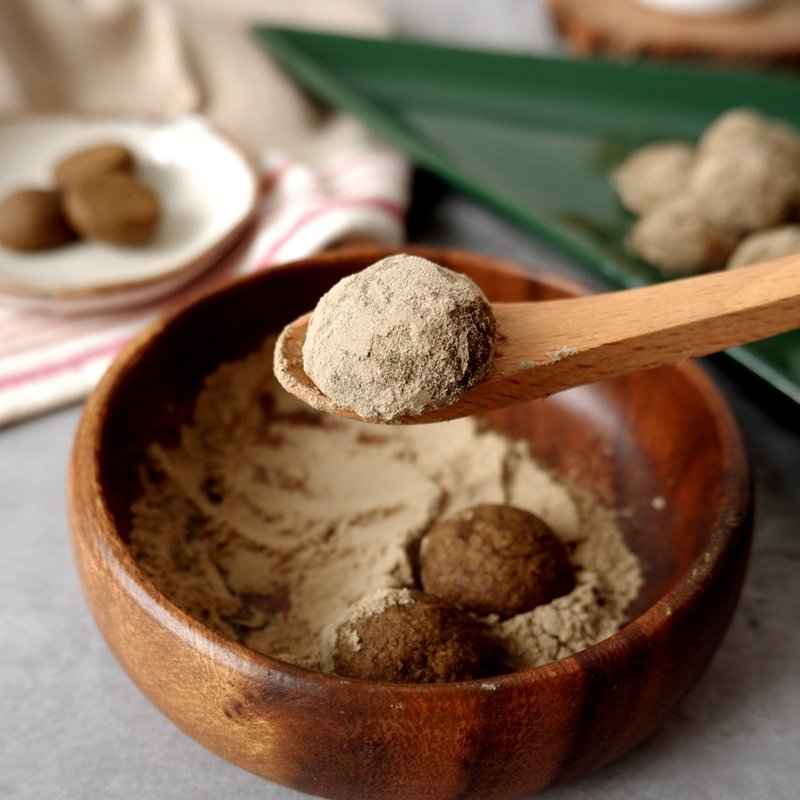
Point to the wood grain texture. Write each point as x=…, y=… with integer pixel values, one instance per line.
x=545, y=348
x=664, y=433
x=765, y=36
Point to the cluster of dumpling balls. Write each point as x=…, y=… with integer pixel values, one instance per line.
x=730, y=201
x=486, y=561
x=95, y=194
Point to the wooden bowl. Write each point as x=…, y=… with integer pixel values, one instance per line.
x=663, y=433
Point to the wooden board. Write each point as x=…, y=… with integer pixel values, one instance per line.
x=764, y=36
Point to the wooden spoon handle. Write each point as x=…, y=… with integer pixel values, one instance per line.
x=602, y=336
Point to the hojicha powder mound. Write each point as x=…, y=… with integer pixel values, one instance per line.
x=271, y=522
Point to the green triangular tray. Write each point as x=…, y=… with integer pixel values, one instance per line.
x=535, y=138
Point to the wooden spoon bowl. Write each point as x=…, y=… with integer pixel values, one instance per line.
x=659, y=446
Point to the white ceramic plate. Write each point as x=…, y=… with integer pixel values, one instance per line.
x=208, y=190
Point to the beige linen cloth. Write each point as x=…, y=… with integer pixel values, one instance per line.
x=327, y=177
x=168, y=57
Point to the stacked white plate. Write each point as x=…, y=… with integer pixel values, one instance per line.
x=208, y=189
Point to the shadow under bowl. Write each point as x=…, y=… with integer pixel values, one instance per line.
x=665, y=434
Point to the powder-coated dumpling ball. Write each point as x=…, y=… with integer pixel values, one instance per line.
x=736, y=129
x=400, y=337
x=741, y=128
x=765, y=245
x=495, y=559
x=406, y=636
x=746, y=189
x=677, y=238
x=33, y=219
x=784, y=144
x=653, y=173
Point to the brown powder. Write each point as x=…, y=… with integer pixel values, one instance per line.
x=270, y=522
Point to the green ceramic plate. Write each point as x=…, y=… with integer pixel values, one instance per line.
x=535, y=138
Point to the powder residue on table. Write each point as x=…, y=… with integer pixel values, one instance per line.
x=268, y=520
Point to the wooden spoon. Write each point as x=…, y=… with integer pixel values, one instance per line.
x=546, y=347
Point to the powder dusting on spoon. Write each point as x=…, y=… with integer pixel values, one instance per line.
x=399, y=338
